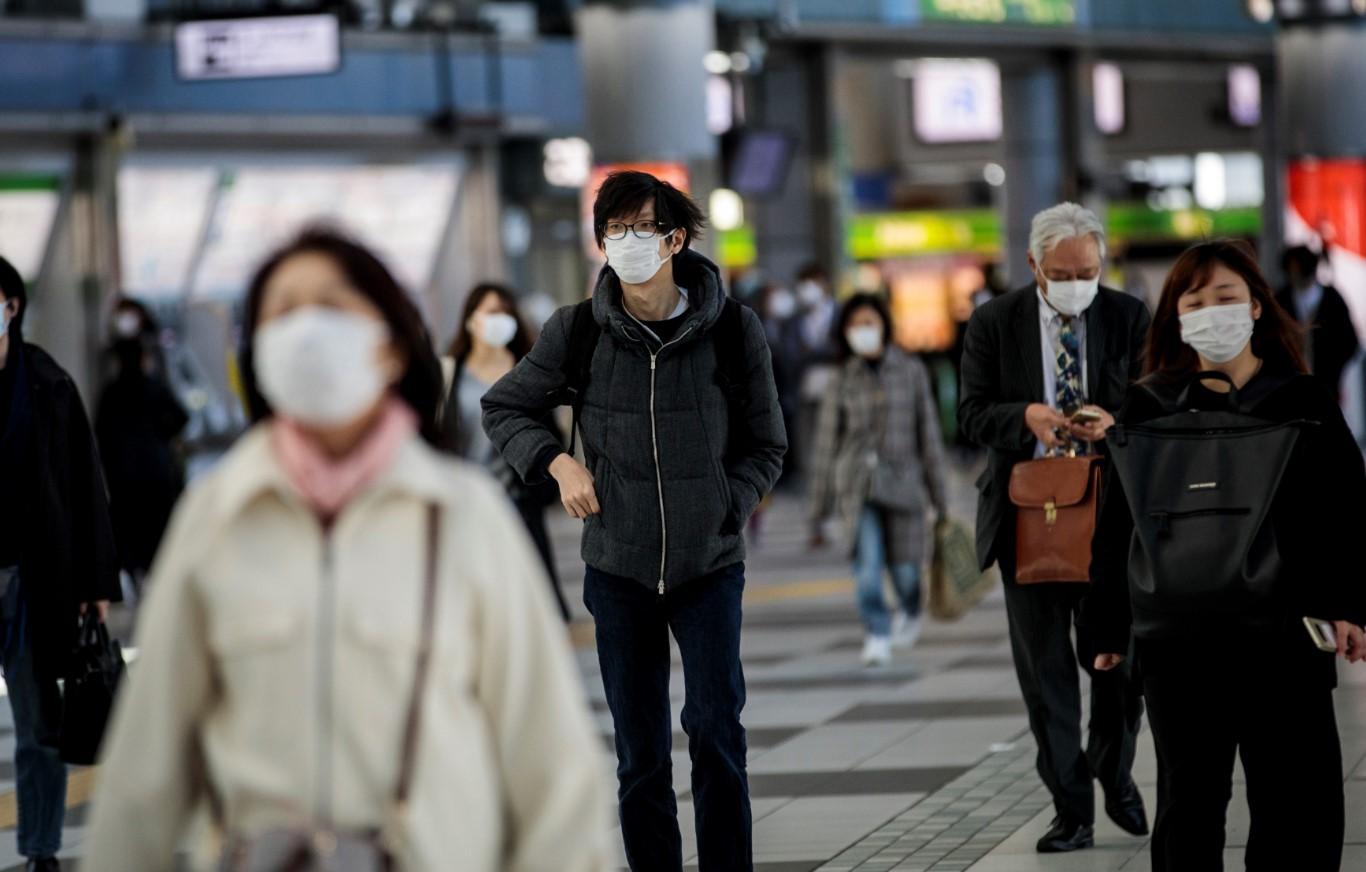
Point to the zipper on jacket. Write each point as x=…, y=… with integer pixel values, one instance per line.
x=327, y=612
x=654, y=447
x=1164, y=519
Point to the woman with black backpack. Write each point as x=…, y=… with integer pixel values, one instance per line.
x=1234, y=499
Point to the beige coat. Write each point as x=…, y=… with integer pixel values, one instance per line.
x=278, y=661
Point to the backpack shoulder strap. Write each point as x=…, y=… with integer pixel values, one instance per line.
x=584, y=333
x=728, y=340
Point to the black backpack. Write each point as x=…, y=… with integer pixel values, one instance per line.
x=727, y=337
x=1200, y=486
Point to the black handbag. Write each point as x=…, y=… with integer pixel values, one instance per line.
x=319, y=848
x=88, y=696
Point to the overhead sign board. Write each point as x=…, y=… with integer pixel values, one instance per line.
x=957, y=101
x=251, y=48
x=1038, y=12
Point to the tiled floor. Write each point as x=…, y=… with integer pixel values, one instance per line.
x=924, y=765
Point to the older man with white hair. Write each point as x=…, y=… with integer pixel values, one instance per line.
x=1046, y=367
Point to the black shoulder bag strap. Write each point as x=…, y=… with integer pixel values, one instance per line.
x=584, y=333
x=412, y=725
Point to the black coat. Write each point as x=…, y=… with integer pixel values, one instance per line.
x=1332, y=339
x=136, y=423
x=1318, y=513
x=68, y=553
x=1002, y=374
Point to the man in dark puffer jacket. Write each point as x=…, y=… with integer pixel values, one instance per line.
x=670, y=482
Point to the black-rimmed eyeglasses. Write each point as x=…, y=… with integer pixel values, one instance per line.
x=640, y=229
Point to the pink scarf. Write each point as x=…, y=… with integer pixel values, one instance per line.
x=328, y=484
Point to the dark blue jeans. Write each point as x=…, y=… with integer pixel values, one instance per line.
x=633, y=624
x=38, y=768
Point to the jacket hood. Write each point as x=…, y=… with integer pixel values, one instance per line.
x=694, y=273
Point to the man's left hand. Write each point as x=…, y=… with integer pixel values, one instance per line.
x=1093, y=432
x=101, y=606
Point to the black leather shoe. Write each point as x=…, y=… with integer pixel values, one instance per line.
x=1126, y=810
x=45, y=864
x=1066, y=836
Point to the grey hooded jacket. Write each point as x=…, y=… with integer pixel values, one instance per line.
x=654, y=425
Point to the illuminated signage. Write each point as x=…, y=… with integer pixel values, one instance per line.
x=957, y=101
x=248, y=48
x=1039, y=12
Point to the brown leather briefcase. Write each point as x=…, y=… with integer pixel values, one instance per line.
x=1057, y=500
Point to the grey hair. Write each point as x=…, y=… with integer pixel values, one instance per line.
x=1061, y=222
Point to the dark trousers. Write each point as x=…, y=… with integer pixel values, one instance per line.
x=633, y=624
x=39, y=772
x=1207, y=706
x=1042, y=617
x=533, y=516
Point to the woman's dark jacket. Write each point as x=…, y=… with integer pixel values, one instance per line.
x=68, y=555
x=1318, y=513
x=136, y=423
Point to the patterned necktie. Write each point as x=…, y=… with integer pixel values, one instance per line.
x=1069, y=369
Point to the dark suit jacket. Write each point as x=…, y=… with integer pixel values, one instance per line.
x=1333, y=339
x=1002, y=374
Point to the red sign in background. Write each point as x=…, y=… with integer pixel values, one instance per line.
x=1330, y=197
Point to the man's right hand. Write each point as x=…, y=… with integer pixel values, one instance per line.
x=1045, y=422
x=576, y=487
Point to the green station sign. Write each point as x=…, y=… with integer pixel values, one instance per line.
x=891, y=235
x=737, y=249
x=1048, y=13
x=910, y=234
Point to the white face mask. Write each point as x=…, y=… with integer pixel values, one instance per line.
x=127, y=324
x=810, y=293
x=1072, y=298
x=4, y=319
x=635, y=260
x=320, y=366
x=781, y=304
x=1218, y=333
x=865, y=341
x=497, y=329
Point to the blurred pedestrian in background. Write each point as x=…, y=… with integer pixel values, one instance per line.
x=1033, y=360
x=283, y=635
x=1272, y=703
x=879, y=461
x=1330, y=338
x=682, y=434
x=491, y=339
x=57, y=560
x=813, y=352
x=137, y=423
x=778, y=309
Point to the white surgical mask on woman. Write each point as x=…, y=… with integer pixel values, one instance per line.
x=497, y=329
x=127, y=324
x=635, y=260
x=320, y=366
x=865, y=341
x=1074, y=297
x=781, y=304
x=1218, y=333
x=810, y=293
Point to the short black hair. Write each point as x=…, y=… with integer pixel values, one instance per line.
x=13, y=287
x=876, y=302
x=1301, y=256
x=422, y=384
x=626, y=192
x=813, y=271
